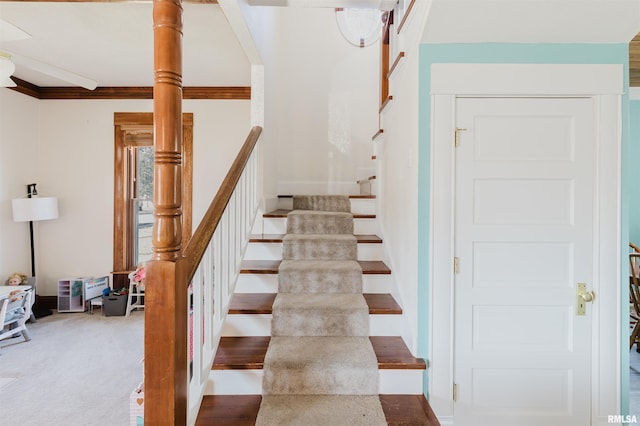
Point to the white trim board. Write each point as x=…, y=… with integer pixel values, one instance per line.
x=602, y=82
x=526, y=79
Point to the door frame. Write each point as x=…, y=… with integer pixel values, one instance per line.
x=127, y=127
x=603, y=83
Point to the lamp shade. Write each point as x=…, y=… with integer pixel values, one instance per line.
x=33, y=209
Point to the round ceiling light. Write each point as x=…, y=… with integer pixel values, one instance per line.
x=360, y=27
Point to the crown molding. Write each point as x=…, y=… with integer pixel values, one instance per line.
x=58, y=93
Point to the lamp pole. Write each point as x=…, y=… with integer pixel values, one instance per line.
x=31, y=191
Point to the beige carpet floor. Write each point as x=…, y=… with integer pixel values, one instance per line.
x=78, y=369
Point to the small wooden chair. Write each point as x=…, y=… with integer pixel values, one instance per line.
x=135, y=299
x=14, y=316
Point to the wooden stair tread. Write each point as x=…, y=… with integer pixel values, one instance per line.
x=280, y=213
x=382, y=304
x=393, y=353
x=408, y=410
x=261, y=303
x=277, y=238
x=231, y=410
x=370, y=267
x=241, y=353
x=251, y=303
x=248, y=352
x=242, y=410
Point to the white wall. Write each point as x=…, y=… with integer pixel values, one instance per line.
x=18, y=167
x=398, y=168
x=75, y=164
x=321, y=100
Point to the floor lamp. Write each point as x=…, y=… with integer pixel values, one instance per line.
x=31, y=209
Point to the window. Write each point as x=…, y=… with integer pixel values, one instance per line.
x=141, y=180
x=133, y=190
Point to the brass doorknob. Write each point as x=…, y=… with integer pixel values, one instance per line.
x=587, y=296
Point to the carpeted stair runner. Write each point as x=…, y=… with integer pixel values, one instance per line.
x=320, y=367
x=329, y=203
x=322, y=314
x=319, y=222
x=320, y=276
x=319, y=247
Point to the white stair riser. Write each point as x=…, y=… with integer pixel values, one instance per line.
x=260, y=325
x=268, y=283
x=285, y=203
x=273, y=251
x=234, y=382
x=249, y=382
x=278, y=225
x=399, y=382
x=246, y=325
x=363, y=205
x=257, y=283
x=263, y=251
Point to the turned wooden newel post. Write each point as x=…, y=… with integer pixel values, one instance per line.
x=167, y=106
x=166, y=296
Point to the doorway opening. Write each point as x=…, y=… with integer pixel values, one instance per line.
x=133, y=190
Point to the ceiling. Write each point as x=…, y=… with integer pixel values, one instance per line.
x=532, y=21
x=112, y=42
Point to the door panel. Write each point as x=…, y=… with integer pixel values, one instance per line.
x=524, y=237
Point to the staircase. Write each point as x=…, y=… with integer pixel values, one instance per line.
x=237, y=379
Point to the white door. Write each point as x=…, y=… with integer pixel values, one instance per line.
x=524, y=227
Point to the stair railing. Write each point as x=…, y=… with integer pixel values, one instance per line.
x=212, y=264
x=187, y=299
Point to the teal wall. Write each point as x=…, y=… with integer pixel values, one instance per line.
x=634, y=172
x=520, y=54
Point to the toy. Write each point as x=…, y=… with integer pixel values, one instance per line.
x=17, y=278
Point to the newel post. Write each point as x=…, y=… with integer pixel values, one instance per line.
x=165, y=346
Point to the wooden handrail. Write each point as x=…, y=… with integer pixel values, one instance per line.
x=395, y=64
x=385, y=103
x=406, y=15
x=198, y=244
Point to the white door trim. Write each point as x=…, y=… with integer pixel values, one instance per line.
x=604, y=84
